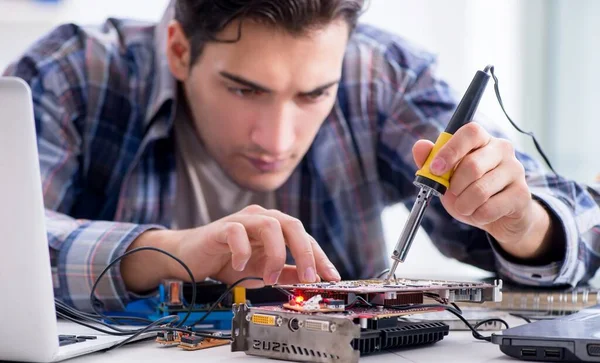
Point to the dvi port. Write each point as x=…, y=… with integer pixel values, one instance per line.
x=264, y=319
x=316, y=325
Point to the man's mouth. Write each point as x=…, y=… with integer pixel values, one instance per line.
x=266, y=165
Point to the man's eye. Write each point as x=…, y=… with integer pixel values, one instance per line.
x=315, y=96
x=245, y=92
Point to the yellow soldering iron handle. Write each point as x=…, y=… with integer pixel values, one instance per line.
x=462, y=115
x=426, y=172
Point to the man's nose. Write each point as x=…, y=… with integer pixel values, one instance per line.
x=275, y=132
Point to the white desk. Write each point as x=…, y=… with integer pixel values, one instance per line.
x=457, y=346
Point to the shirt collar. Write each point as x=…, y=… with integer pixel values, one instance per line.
x=164, y=85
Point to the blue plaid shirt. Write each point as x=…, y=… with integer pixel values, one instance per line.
x=104, y=108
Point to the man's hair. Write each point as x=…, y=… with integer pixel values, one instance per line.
x=202, y=20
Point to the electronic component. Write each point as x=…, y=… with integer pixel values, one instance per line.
x=315, y=304
x=312, y=304
x=334, y=304
x=187, y=340
x=170, y=337
x=340, y=321
x=174, y=297
x=327, y=337
x=388, y=291
x=194, y=342
x=264, y=319
x=174, y=292
x=191, y=342
x=317, y=325
x=166, y=337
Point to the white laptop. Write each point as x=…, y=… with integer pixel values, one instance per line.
x=29, y=330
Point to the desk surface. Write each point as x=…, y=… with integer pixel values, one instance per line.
x=457, y=346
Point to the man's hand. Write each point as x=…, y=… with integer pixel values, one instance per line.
x=488, y=190
x=251, y=242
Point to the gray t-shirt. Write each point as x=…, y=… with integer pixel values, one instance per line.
x=204, y=192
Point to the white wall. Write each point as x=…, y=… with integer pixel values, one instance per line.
x=574, y=88
x=24, y=21
x=453, y=31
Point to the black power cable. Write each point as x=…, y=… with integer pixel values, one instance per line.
x=223, y=295
x=123, y=332
x=68, y=312
x=476, y=334
x=95, y=301
x=148, y=328
x=92, y=320
x=66, y=309
x=535, y=142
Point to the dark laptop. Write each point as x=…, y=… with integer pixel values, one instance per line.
x=569, y=338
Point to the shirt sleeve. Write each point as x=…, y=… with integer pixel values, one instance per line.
x=79, y=249
x=416, y=105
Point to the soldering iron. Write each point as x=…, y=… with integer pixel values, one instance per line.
x=433, y=185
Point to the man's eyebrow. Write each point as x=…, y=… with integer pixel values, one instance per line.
x=321, y=88
x=245, y=82
x=256, y=86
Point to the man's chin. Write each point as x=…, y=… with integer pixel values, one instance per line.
x=263, y=183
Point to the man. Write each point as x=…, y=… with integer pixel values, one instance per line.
x=235, y=130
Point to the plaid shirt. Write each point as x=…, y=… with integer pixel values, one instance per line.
x=104, y=106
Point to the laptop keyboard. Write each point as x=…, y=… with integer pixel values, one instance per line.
x=72, y=339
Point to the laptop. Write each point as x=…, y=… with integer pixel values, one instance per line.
x=29, y=330
x=569, y=338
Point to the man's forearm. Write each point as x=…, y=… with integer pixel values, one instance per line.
x=144, y=270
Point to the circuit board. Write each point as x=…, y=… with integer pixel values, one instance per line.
x=189, y=340
x=353, y=312
x=341, y=321
x=397, y=285
x=190, y=344
x=452, y=291
x=281, y=333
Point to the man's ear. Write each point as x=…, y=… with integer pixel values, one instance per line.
x=178, y=51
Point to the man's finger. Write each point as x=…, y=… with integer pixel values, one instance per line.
x=288, y=276
x=421, y=151
x=497, y=207
x=476, y=194
x=267, y=231
x=234, y=235
x=324, y=267
x=473, y=167
x=469, y=137
x=299, y=244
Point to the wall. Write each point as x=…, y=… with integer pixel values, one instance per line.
x=24, y=21
x=574, y=77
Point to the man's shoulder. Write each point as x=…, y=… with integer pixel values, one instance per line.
x=380, y=45
x=117, y=47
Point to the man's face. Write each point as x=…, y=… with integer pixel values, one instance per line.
x=258, y=103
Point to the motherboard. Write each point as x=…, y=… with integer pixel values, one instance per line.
x=341, y=321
